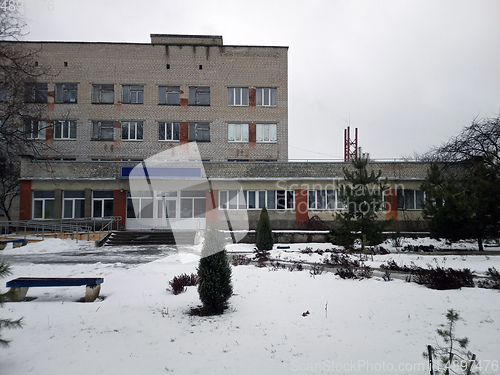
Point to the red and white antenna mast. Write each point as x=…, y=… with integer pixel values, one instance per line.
x=350, y=146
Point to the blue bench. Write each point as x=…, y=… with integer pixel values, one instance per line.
x=19, y=287
x=15, y=243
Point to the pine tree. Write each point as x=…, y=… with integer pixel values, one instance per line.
x=464, y=206
x=214, y=274
x=362, y=197
x=264, y=236
x=6, y=323
x=453, y=354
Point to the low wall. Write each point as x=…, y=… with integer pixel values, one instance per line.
x=291, y=237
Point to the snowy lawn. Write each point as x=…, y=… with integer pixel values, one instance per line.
x=354, y=327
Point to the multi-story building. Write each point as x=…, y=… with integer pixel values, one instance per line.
x=205, y=124
x=122, y=101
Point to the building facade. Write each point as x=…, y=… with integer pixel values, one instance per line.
x=179, y=134
x=119, y=101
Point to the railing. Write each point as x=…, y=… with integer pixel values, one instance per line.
x=70, y=227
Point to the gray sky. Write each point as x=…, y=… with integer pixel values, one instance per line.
x=409, y=74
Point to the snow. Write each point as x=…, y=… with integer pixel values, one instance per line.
x=365, y=327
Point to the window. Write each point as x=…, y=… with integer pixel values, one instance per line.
x=237, y=96
x=34, y=129
x=237, y=132
x=170, y=95
x=199, y=132
x=410, y=199
x=285, y=199
x=66, y=92
x=169, y=131
x=232, y=199
x=43, y=204
x=140, y=206
x=73, y=204
x=256, y=199
x=132, y=130
x=324, y=200
x=36, y=93
x=133, y=94
x=267, y=96
x=266, y=133
x=102, y=203
x=102, y=130
x=65, y=130
x=104, y=94
x=199, y=95
x=193, y=204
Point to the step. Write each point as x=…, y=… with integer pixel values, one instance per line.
x=150, y=238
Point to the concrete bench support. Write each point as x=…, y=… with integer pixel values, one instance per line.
x=18, y=294
x=92, y=292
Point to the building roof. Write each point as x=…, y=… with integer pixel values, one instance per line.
x=234, y=171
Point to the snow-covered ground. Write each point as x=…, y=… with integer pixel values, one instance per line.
x=354, y=327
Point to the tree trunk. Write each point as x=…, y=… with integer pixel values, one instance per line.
x=480, y=244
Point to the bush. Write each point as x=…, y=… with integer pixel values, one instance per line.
x=214, y=274
x=261, y=256
x=179, y=283
x=240, y=260
x=442, y=278
x=264, y=235
x=493, y=281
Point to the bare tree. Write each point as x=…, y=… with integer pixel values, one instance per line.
x=481, y=139
x=19, y=114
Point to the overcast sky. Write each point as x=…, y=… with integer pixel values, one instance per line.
x=409, y=74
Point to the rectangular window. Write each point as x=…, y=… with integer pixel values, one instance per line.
x=410, y=199
x=193, y=204
x=43, y=204
x=267, y=96
x=237, y=96
x=169, y=131
x=199, y=132
x=140, y=206
x=36, y=93
x=257, y=199
x=132, y=130
x=73, y=204
x=285, y=199
x=102, y=130
x=237, y=132
x=323, y=200
x=199, y=95
x=34, y=129
x=169, y=95
x=133, y=94
x=104, y=94
x=102, y=203
x=266, y=133
x=65, y=129
x=66, y=93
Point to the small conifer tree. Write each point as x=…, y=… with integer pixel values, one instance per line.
x=214, y=274
x=6, y=323
x=453, y=354
x=264, y=236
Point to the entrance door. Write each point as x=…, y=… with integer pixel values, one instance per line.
x=182, y=210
